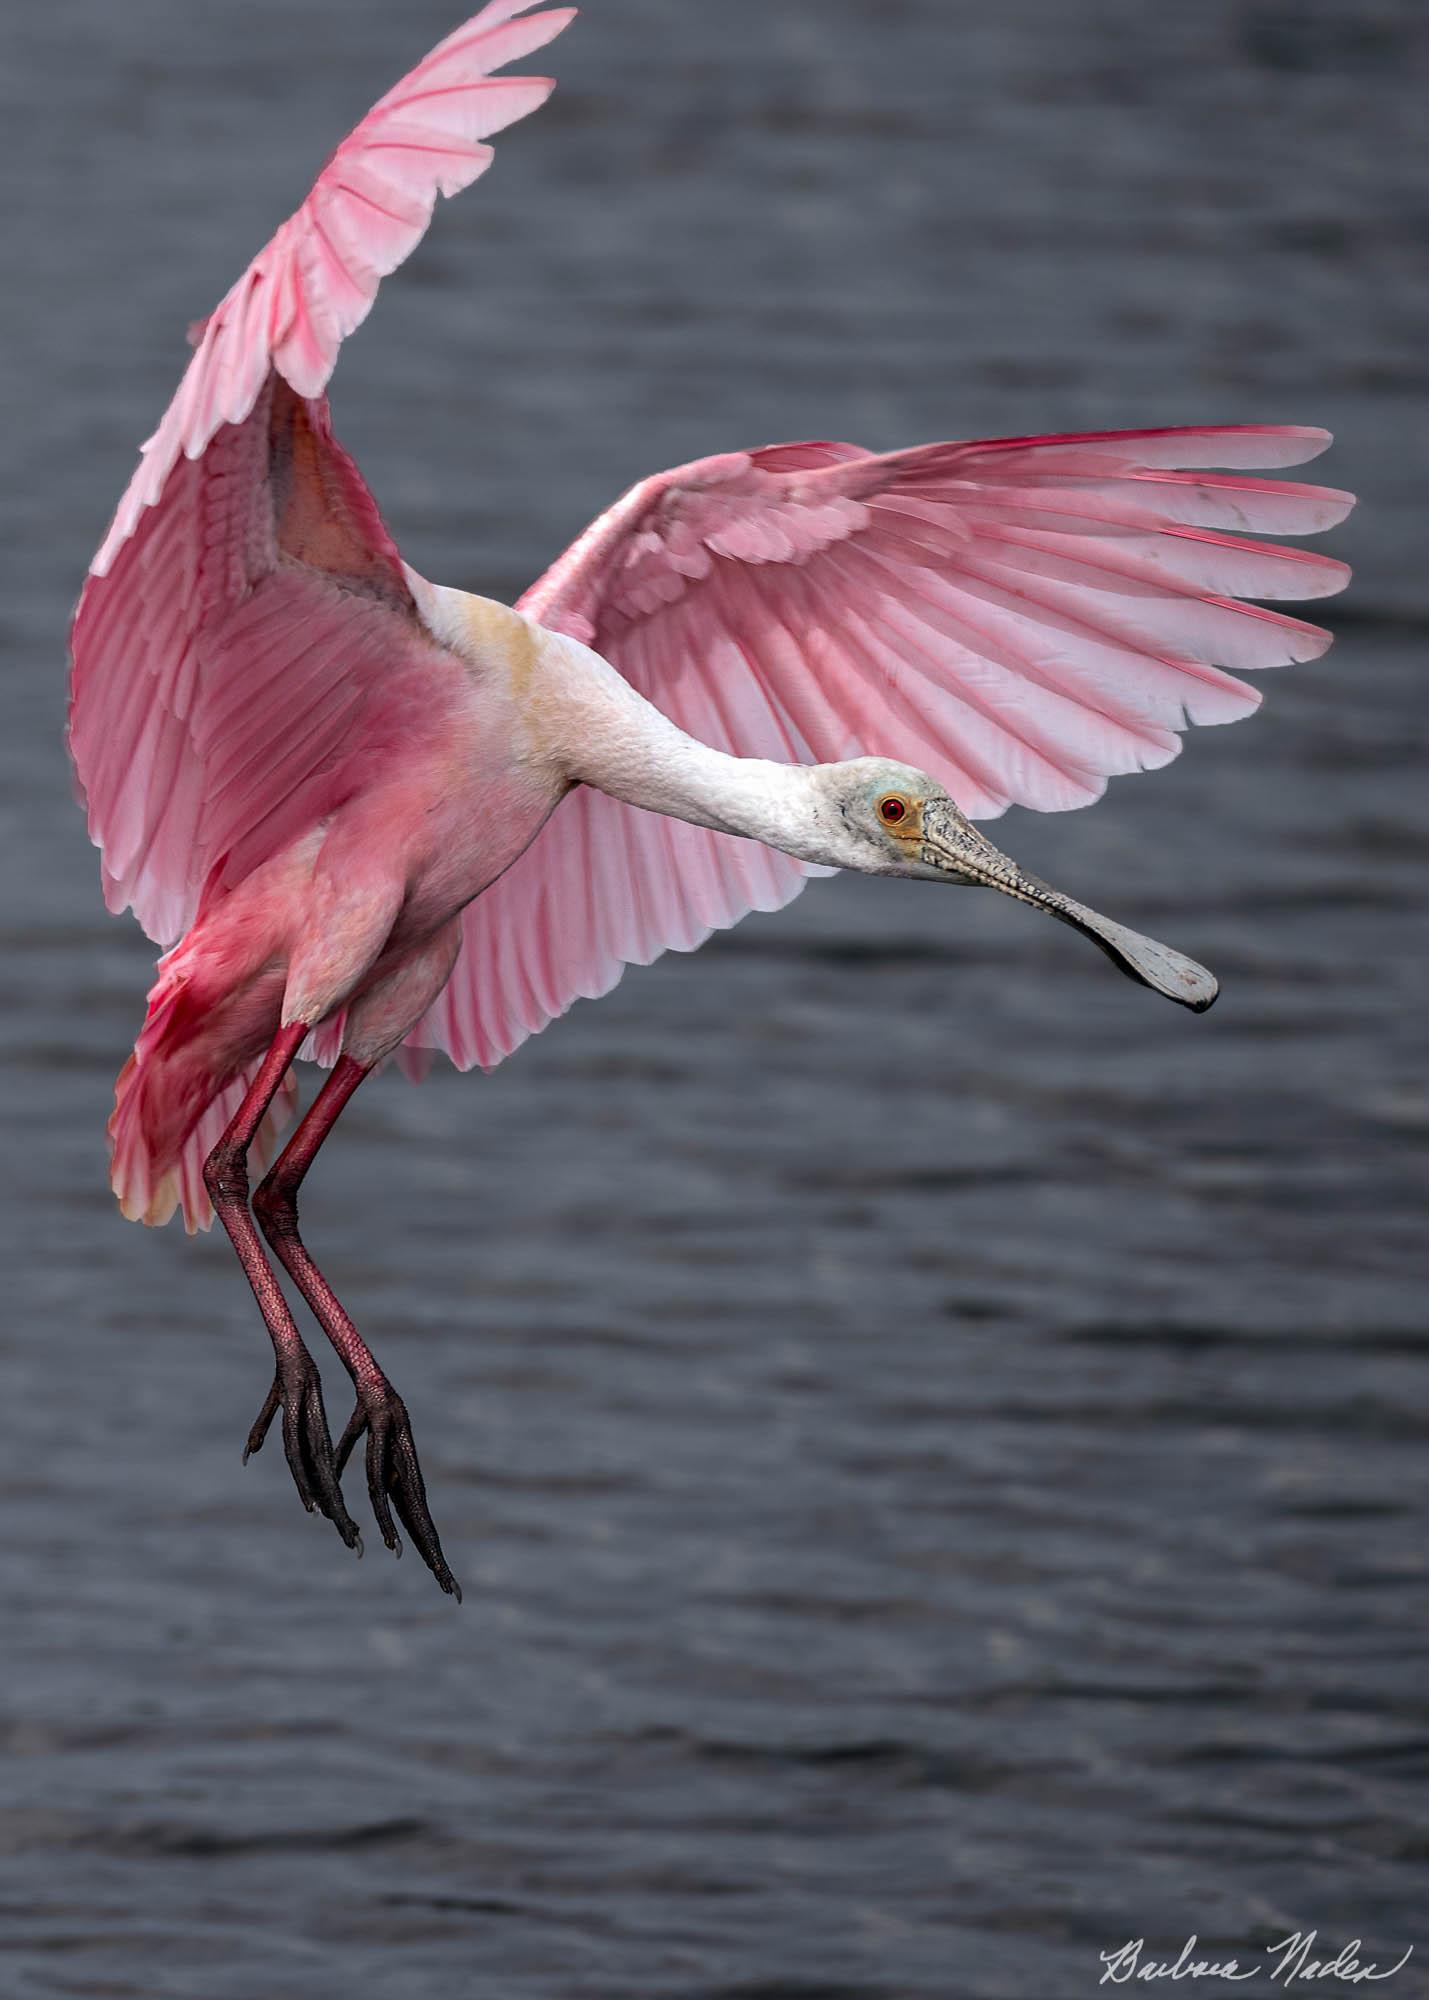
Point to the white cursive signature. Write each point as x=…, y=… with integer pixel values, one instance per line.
x=1293, y=1958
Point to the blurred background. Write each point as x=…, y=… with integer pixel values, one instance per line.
x=932, y=1437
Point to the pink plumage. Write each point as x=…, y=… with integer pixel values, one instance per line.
x=370, y=815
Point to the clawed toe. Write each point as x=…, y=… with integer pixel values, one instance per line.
x=394, y=1477
x=307, y=1443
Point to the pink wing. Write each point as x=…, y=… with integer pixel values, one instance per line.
x=247, y=592
x=1023, y=617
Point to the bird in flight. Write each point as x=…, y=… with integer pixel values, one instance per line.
x=366, y=814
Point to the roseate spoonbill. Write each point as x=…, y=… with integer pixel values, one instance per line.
x=369, y=814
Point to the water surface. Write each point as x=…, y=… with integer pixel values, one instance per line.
x=933, y=1438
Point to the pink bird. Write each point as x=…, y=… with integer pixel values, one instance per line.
x=367, y=814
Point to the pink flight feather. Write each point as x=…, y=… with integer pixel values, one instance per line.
x=156, y=659
x=1024, y=617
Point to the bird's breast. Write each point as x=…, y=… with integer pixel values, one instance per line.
x=516, y=682
x=474, y=829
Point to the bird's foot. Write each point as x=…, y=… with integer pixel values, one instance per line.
x=392, y=1470
x=307, y=1443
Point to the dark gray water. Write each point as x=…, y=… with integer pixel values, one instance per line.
x=933, y=1438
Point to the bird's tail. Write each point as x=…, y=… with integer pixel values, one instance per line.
x=173, y=1100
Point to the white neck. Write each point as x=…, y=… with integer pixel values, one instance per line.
x=615, y=740
x=578, y=715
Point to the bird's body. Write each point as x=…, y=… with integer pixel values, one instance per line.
x=372, y=814
x=353, y=911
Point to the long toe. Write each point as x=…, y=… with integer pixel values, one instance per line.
x=307, y=1443
x=316, y=1446
x=394, y=1478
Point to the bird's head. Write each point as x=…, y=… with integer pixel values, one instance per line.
x=885, y=818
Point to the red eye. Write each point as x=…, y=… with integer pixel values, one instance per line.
x=892, y=810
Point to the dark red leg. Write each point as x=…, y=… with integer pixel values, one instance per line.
x=296, y=1388
x=392, y=1467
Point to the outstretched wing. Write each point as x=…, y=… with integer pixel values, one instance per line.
x=247, y=601
x=1024, y=617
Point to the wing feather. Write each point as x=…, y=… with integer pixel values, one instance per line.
x=247, y=605
x=1025, y=617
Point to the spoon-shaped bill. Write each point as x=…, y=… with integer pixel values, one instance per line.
x=951, y=846
x=1141, y=958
